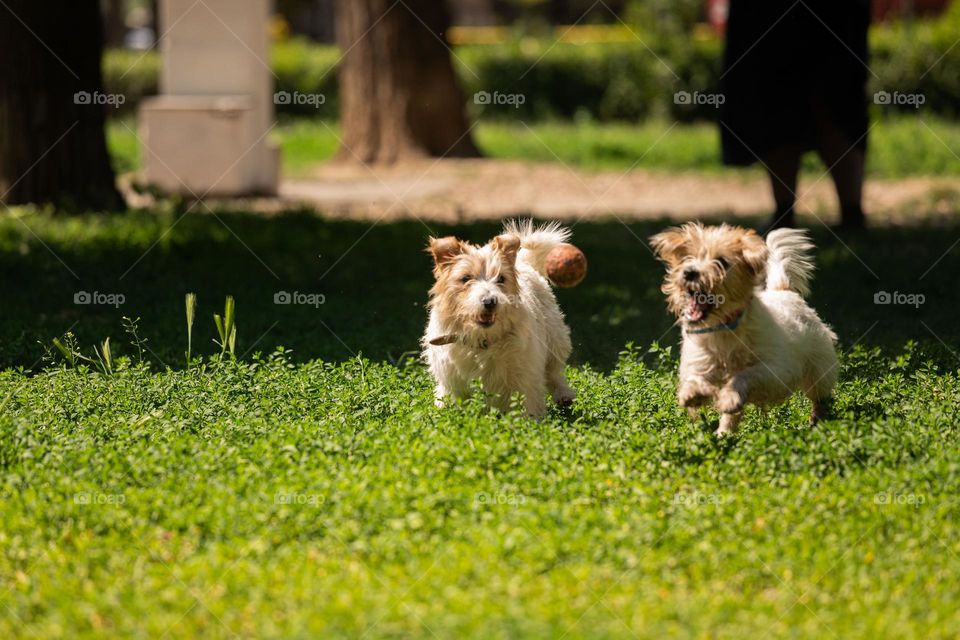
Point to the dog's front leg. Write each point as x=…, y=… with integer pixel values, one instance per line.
x=730, y=400
x=698, y=378
x=534, y=391
x=728, y=424
x=694, y=392
x=534, y=403
x=455, y=389
x=450, y=380
x=760, y=384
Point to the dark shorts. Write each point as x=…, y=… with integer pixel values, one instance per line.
x=788, y=65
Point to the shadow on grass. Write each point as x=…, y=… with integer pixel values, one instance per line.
x=374, y=281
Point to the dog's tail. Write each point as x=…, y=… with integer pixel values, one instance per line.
x=789, y=265
x=536, y=242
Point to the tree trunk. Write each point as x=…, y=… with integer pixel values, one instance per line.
x=399, y=95
x=52, y=105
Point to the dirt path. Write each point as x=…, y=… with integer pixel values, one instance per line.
x=465, y=190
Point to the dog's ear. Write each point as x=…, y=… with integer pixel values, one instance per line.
x=444, y=250
x=670, y=245
x=753, y=248
x=508, y=244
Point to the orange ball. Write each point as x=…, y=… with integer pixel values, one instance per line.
x=566, y=266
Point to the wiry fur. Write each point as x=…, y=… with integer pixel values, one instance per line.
x=537, y=242
x=521, y=345
x=789, y=265
x=779, y=344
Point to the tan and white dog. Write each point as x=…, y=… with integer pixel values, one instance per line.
x=494, y=317
x=748, y=334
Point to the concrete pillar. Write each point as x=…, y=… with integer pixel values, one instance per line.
x=207, y=131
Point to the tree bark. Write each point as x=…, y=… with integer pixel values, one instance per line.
x=52, y=143
x=399, y=95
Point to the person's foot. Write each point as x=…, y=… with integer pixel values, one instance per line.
x=852, y=220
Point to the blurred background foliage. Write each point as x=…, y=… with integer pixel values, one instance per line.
x=612, y=61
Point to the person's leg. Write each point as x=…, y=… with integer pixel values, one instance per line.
x=846, y=161
x=782, y=166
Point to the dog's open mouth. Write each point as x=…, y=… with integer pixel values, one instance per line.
x=486, y=319
x=698, y=306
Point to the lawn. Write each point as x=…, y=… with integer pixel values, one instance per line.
x=899, y=146
x=315, y=491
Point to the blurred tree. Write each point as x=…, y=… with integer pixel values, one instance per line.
x=52, y=143
x=399, y=95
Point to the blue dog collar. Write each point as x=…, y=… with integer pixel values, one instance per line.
x=723, y=326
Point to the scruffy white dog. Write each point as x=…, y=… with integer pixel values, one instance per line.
x=748, y=334
x=493, y=316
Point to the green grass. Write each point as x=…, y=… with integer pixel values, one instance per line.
x=332, y=500
x=898, y=147
x=317, y=492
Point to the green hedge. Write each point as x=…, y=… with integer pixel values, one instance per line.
x=920, y=59
x=538, y=79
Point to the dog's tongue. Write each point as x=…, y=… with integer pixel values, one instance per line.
x=694, y=311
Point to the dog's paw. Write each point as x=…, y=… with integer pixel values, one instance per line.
x=564, y=397
x=439, y=403
x=729, y=400
x=820, y=411
x=691, y=396
x=723, y=431
x=536, y=412
x=728, y=425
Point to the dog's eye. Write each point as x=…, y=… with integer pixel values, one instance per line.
x=466, y=279
x=501, y=279
x=723, y=262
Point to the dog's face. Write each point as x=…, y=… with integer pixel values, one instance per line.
x=711, y=271
x=476, y=287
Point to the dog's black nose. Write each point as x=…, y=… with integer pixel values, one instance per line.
x=489, y=303
x=691, y=274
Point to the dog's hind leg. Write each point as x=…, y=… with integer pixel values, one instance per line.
x=563, y=394
x=558, y=350
x=821, y=407
x=820, y=394
x=820, y=391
